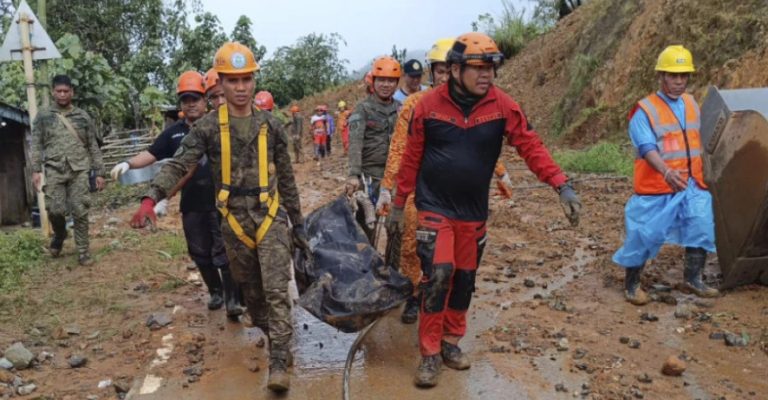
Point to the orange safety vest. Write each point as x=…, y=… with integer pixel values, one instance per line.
x=679, y=148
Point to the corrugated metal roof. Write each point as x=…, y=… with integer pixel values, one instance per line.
x=12, y=113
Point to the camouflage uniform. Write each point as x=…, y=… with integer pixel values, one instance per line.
x=263, y=273
x=67, y=162
x=296, y=124
x=370, y=130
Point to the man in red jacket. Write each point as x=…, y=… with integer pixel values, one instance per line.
x=454, y=141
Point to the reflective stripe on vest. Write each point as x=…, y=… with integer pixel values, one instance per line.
x=271, y=202
x=679, y=147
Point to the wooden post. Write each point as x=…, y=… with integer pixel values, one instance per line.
x=29, y=74
x=43, y=19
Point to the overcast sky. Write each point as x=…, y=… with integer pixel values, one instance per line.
x=369, y=27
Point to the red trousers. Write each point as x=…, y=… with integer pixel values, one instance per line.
x=345, y=138
x=450, y=251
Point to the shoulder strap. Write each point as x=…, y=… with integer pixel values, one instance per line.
x=64, y=120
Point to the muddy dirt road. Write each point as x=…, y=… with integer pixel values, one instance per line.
x=548, y=320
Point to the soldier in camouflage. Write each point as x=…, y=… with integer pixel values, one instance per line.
x=264, y=271
x=65, y=141
x=296, y=125
x=370, y=130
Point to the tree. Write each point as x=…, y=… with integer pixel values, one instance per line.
x=398, y=55
x=199, y=45
x=242, y=34
x=310, y=66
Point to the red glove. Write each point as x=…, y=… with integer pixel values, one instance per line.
x=146, y=212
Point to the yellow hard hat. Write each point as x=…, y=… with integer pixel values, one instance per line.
x=676, y=59
x=342, y=104
x=234, y=58
x=439, y=50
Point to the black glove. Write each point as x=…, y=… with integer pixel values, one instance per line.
x=395, y=220
x=300, y=238
x=570, y=203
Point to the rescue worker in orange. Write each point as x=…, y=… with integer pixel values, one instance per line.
x=343, y=114
x=409, y=263
x=671, y=203
x=318, y=124
x=455, y=138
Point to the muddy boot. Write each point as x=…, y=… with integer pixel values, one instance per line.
x=212, y=280
x=695, y=259
x=279, y=379
x=453, y=357
x=57, y=242
x=632, y=291
x=410, y=311
x=84, y=259
x=230, y=295
x=428, y=371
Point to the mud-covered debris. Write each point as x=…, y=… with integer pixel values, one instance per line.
x=261, y=342
x=558, y=304
x=673, y=366
x=499, y=349
x=667, y=298
x=122, y=385
x=644, y=378
x=624, y=340
x=169, y=304
x=6, y=376
x=127, y=333
x=141, y=288
x=194, y=370
x=636, y=392
x=562, y=345
x=510, y=272
x=561, y=388
x=529, y=283
x=26, y=389
x=158, y=320
x=77, y=361
x=579, y=354
x=44, y=356
x=5, y=364
x=112, y=221
x=684, y=311
x=104, y=384
x=704, y=317
x=648, y=317
x=254, y=368
x=732, y=339
x=660, y=288
x=634, y=344
x=19, y=356
x=717, y=335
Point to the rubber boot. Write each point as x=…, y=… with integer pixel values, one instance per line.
x=57, y=242
x=212, y=280
x=59, y=226
x=279, y=379
x=410, y=311
x=230, y=295
x=632, y=291
x=85, y=259
x=453, y=357
x=428, y=371
x=695, y=259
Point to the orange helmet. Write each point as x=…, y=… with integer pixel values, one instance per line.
x=234, y=58
x=294, y=108
x=211, y=79
x=190, y=81
x=475, y=48
x=386, y=67
x=264, y=100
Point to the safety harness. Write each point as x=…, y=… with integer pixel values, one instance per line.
x=272, y=202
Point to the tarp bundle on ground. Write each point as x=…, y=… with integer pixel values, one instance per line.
x=345, y=282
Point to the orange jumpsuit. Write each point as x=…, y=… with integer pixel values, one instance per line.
x=343, y=128
x=410, y=265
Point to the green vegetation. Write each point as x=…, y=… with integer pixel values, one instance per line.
x=20, y=251
x=603, y=158
x=512, y=30
x=581, y=71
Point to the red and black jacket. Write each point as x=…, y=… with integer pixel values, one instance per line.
x=450, y=156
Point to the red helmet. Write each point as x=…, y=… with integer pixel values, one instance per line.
x=264, y=100
x=190, y=81
x=211, y=79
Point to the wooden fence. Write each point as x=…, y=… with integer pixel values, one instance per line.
x=120, y=146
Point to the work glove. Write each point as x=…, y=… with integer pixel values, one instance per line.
x=351, y=185
x=504, y=184
x=395, y=220
x=385, y=199
x=146, y=212
x=300, y=238
x=161, y=208
x=119, y=169
x=570, y=203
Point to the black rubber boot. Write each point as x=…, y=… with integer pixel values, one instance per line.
x=230, y=295
x=212, y=280
x=410, y=311
x=632, y=291
x=59, y=226
x=428, y=371
x=695, y=259
x=57, y=242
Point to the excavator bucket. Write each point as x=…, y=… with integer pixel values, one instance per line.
x=735, y=137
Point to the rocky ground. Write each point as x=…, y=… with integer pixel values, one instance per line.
x=548, y=320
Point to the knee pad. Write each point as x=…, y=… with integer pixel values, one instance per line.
x=463, y=287
x=435, y=288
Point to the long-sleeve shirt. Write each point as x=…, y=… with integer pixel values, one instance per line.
x=370, y=130
x=450, y=157
x=54, y=146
